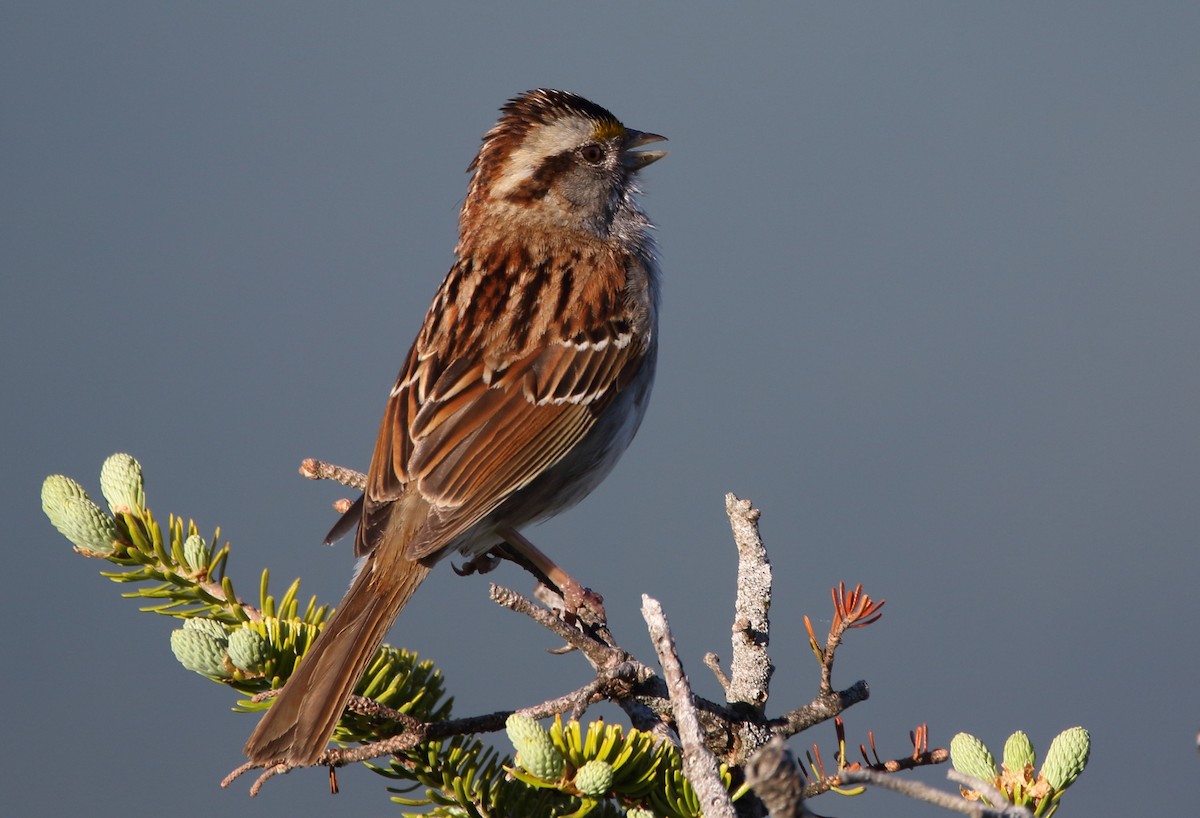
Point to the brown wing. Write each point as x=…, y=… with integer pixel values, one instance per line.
x=466, y=435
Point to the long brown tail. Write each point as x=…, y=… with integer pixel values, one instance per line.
x=296, y=730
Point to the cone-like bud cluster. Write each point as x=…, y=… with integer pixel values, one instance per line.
x=535, y=751
x=77, y=518
x=121, y=483
x=248, y=650
x=195, y=553
x=200, y=646
x=1066, y=758
x=209, y=626
x=594, y=778
x=638, y=812
x=970, y=756
x=57, y=489
x=1018, y=752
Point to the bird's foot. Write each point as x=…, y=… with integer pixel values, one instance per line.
x=482, y=564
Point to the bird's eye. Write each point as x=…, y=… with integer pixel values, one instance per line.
x=592, y=154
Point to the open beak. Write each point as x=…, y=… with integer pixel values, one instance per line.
x=636, y=160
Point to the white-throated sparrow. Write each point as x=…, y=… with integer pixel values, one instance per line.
x=527, y=381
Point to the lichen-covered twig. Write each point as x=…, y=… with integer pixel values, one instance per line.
x=750, y=668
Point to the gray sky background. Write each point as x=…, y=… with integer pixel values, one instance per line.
x=931, y=302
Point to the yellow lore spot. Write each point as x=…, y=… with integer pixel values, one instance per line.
x=608, y=129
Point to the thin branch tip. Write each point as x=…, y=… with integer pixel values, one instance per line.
x=314, y=469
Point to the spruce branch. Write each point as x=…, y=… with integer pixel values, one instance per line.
x=401, y=712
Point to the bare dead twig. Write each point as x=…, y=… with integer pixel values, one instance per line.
x=989, y=790
x=931, y=795
x=773, y=775
x=699, y=764
x=823, y=708
x=713, y=662
x=315, y=469
x=599, y=654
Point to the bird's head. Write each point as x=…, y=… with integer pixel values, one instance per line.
x=556, y=161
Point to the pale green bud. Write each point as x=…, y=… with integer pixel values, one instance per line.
x=1018, y=752
x=121, y=483
x=199, y=652
x=594, y=778
x=211, y=627
x=535, y=751
x=195, y=553
x=76, y=517
x=1066, y=758
x=970, y=756
x=248, y=650
x=55, y=490
x=638, y=812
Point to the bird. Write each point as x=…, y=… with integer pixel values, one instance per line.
x=528, y=379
